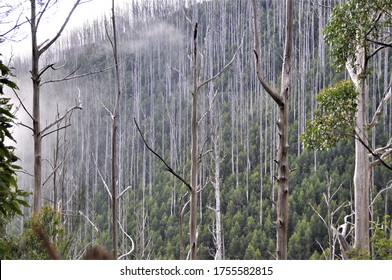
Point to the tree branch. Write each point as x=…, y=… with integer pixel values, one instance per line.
x=130, y=238
x=224, y=67
x=272, y=92
x=387, y=96
x=383, y=44
x=51, y=42
x=95, y=227
x=379, y=159
x=168, y=168
x=23, y=106
x=69, y=111
x=383, y=190
x=58, y=129
x=103, y=180
x=70, y=76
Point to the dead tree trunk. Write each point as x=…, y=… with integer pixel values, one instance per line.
x=36, y=75
x=114, y=139
x=194, y=154
x=36, y=112
x=281, y=99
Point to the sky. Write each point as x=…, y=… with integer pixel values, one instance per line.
x=55, y=17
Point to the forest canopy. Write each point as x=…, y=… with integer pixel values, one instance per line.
x=124, y=99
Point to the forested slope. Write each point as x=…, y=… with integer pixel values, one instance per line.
x=237, y=130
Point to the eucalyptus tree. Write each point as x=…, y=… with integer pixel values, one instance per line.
x=115, y=116
x=38, y=10
x=357, y=31
x=199, y=80
x=282, y=101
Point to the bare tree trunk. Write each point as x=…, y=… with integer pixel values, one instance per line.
x=194, y=154
x=114, y=140
x=362, y=164
x=36, y=113
x=281, y=99
x=218, y=223
x=36, y=75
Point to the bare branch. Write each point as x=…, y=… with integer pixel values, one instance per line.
x=376, y=117
x=106, y=108
x=69, y=111
x=55, y=169
x=272, y=92
x=168, y=168
x=130, y=238
x=378, y=157
x=51, y=42
x=103, y=180
x=375, y=52
x=383, y=44
x=224, y=67
x=43, y=70
x=95, y=227
x=383, y=190
x=318, y=214
x=209, y=108
x=71, y=76
x=23, y=106
x=58, y=129
x=42, y=12
x=24, y=125
x=121, y=194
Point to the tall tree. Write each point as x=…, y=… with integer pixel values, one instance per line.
x=38, y=49
x=282, y=101
x=357, y=32
x=115, y=116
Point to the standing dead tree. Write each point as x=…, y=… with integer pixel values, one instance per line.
x=198, y=81
x=282, y=100
x=38, y=49
x=115, y=116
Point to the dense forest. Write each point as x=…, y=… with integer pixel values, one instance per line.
x=141, y=81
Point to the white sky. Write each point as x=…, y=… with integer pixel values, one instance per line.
x=55, y=17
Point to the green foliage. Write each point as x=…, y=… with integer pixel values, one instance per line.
x=335, y=119
x=30, y=246
x=354, y=254
x=352, y=22
x=382, y=240
x=10, y=196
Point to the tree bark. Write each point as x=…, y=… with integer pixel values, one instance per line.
x=116, y=115
x=36, y=74
x=194, y=154
x=36, y=112
x=362, y=164
x=281, y=99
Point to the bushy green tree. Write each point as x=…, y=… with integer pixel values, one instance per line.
x=30, y=245
x=10, y=196
x=334, y=119
x=382, y=240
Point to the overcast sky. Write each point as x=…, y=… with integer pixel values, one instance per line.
x=55, y=17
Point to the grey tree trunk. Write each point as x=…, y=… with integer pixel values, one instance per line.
x=36, y=112
x=194, y=154
x=281, y=99
x=36, y=75
x=362, y=164
x=114, y=181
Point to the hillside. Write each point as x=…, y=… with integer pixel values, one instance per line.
x=237, y=131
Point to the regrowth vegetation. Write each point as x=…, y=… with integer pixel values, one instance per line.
x=243, y=145
x=334, y=119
